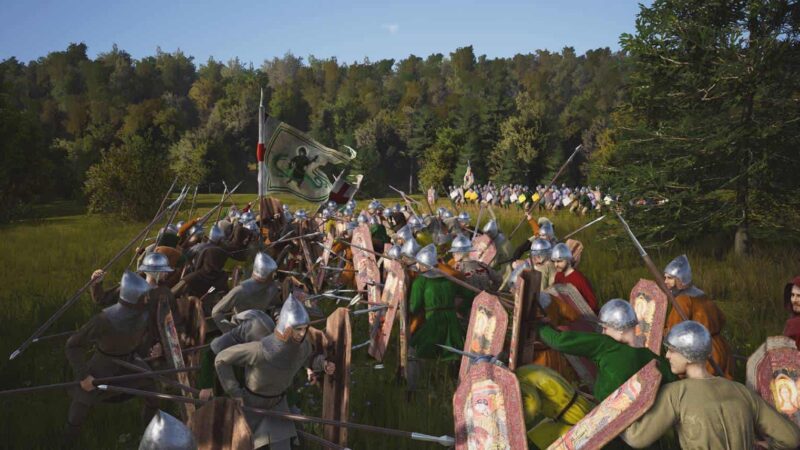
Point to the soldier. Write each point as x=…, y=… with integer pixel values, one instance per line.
x=258, y=292
x=504, y=249
x=708, y=411
x=565, y=273
x=208, y=260
x=476, y=273
x=791, y=301
x=378, y=232
x=251, y=326
x=698, y=307
x=165, y=432
x=540, y=256
x=442, y=301
x=270, y=366
x=117, y=332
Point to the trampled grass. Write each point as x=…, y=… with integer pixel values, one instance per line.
x=44, y=261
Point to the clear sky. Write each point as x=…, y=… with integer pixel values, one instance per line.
x=348, y=30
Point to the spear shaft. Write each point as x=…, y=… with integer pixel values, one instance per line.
x=97, y=381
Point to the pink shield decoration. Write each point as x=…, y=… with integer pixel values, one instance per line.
x=483, y=249
x=488, y=410
x=394, y=294
x=366, y=267
x=569, y=294
x=611, y=417
x=486, y=332
x=774, y=372
x=650, y=304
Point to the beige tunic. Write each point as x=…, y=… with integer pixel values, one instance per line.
x=712, y=413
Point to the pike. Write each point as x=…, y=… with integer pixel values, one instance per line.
x=160, y=208
x=361, y=345
x=407, y=199
x=659, y=279
x=444, y=440
x=163, y=379
x=338, y=269
x=98, y=381
x=584, y=227
x=478, y=223
x=183, y=350
x=218, y=207
x=172, y=216
x=500, y=296
x=553, y=180
x=39, y=331
x=330, y=250
x=221, y=202
x=475, y=357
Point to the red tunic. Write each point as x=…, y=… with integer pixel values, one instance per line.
x=792, y=329
x=582, y=284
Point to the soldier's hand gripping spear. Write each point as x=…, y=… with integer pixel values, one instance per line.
x=659, y=279
x=39, y=331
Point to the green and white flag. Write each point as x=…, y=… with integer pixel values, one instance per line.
x=295, y=162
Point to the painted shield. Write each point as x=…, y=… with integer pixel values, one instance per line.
x=487, y=408
x=611, y=417
x=774, y=372
x=526, y=291
x=650, y=304
x=569, y=294
x=483, y=249
x=394, y=294
x=336, y=387
x=220, y=425
x=171, y=346
x=486, y=332
x=366, y=267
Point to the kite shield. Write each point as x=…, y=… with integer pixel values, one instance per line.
x=486, y=333
x=650, y=304
x=220, y=425
x=394, y=293
x=774, y=371
x=484, y=249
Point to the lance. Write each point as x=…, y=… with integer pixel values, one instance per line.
x=358, y=312
x=478, y=223
x=446, y=441
x=194, y=197
x=584, y=227
x=163, y=379
x=333, y=253
x=160, y=208
x=218, y=207
x=229, y=198
x=97, y=381
x=39, y=331
x=566, y=163
x=319, y=441
x=659, y=279
x=174, y=213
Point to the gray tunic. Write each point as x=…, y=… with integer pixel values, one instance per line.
x=270, y=366
x=250, y=294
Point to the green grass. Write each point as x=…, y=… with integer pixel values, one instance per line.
x=45, y=260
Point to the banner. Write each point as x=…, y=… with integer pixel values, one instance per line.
x=469, y=178
x=294, y=162
x=342, y=191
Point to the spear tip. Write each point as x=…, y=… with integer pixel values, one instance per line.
x=102, y=387
x=14, y=355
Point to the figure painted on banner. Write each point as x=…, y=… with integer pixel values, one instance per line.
x=791, y=301
x=487, y=425
x=299, y=163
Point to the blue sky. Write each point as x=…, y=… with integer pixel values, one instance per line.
x=348, y=30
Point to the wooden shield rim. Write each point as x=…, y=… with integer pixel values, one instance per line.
x=336, y=387
x=516, y=325
x=204, y=435
x=169, y=342
x=489, y=301
x=377, y=348
x=511, y=395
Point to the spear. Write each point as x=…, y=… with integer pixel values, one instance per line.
x=475, y=357
x=407, y=199
x=302, y=236
x=39, y=331
x=221, y=202
x=359, y=312
x=446, y=441
x=160, y=208
x=500, y=296
x=659, y=279
x=161, y=378
x=478, y=223
x=218, y=207
x=174, y=213
x=584, y=227
x=319, y=441
x=194, y=197
x=97, y=381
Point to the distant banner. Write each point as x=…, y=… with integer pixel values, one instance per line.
x=295, y=162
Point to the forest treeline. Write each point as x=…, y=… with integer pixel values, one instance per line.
x=700, y=106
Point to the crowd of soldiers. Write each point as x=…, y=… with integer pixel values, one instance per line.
x=578, y=199
x=261, y=323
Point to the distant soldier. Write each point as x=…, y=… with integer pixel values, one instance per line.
x=791, y=301
x=118, y=331
x=208, y=260
x=698, y=307
x=270, y=366
x=258, y=292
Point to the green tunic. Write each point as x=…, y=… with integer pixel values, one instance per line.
x=615, y=361
x=436, y=296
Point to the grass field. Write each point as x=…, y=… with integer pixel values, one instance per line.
x=45, y=260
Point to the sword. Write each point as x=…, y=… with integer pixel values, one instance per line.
x=659, y=279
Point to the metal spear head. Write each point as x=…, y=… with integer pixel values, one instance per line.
x=361, y=345
x=447, y=441
x=371, y=309
x=642, y=251
x=354, y=301
x=179, y=199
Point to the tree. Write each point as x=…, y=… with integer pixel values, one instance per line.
x=711, y=125
x=440, y=159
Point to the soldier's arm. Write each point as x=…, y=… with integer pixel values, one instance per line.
x=521, y=249
x=655, y=422
x=782, y=432
x=573, y=342
x=79, y=343
x=223, y=306
x=237, y=355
